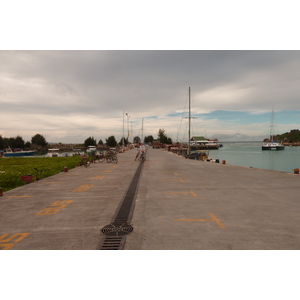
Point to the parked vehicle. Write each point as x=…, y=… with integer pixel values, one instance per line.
x=156, y=144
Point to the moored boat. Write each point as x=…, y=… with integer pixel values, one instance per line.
x=17, y=152
x=91, y=150
x=270, y=144
x=201, y=143
x=53, y=153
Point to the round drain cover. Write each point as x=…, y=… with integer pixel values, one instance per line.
x=112, y=230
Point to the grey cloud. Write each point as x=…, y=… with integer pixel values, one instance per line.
x=146, y=83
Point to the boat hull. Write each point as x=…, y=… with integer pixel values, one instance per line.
x=18, y=154
x=205, y=147
x=280, y=147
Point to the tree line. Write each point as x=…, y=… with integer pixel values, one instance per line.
x=39, y=140
x=289, y=137
x=18, y=142
x=112, y=142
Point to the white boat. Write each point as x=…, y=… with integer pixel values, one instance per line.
x=202, y=143
x=271, y=144
x=91, y=150
x=53, y=153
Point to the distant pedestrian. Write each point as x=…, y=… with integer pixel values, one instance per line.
x=142, y=149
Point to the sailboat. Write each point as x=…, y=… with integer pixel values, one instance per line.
x=198, y=143
x=272, y=145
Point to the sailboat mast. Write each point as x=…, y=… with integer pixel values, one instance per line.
x=189, y=147
x=142, y=130
x=272, y=125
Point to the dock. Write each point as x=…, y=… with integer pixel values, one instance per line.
x=167, y=202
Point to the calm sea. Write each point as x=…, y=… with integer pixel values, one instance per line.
x=249, y=154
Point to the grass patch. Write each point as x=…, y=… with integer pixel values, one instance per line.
x=12, y=168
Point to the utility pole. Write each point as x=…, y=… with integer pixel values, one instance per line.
x=123, y=131
x=189, y=117
x=189, y=147
x=142, y=130
x=127, y=127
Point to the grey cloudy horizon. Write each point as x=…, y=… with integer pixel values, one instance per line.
x=70, y=95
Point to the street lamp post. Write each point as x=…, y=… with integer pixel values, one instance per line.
x=127, y=127
x=123, y=132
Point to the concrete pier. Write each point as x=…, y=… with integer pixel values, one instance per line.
x=180, y=204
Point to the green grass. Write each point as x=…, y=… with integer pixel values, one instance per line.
x=12, y=168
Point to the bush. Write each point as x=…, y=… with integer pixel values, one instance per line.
x=12, y=168
x=39, y=140
x=111, y=141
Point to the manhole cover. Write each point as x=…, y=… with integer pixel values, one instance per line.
x=112, y=230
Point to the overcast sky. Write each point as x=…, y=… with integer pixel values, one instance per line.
x=68, y=96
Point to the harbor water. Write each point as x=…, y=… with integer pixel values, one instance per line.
x=250, y=154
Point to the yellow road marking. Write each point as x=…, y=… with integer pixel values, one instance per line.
x=4, y=242
x=22, y=236
x=61, y=204
x=214, y=219
x=106, y=171
x=83, y=188
x=6, y=246
x=48, y=211
x=98, y=177
x=54, y=208
x=193, y=194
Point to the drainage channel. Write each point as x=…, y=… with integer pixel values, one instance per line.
x=115, y=233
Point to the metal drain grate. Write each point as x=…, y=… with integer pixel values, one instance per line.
x=124, y=213
x=112, y=230
x=120, y=225
x=112, y=243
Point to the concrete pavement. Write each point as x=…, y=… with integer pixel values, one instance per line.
x=64, y=211
x=180, y=204
x=186, y=204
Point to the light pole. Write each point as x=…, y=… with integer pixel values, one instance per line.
x=127, y=127
x=123, y=132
